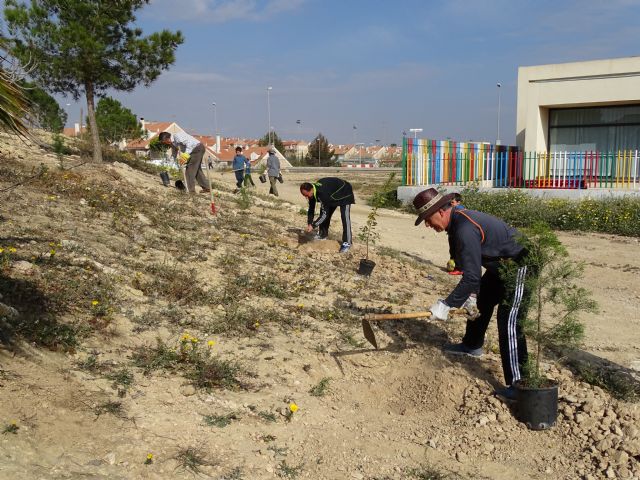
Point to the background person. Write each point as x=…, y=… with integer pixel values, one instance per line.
x=238, y=166
x=188, y=151
x=482, y=240
x=331, y=192
x=273, y=170
x=247, y=173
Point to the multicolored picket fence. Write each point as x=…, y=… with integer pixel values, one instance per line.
x=428, y=162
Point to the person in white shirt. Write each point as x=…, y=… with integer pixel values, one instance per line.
x=187, y=151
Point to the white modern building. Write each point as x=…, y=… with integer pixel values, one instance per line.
x=579, y=106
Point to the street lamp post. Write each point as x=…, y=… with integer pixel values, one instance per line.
x=499, y=85
x=415, y=132
x=360, y=145
x=269, y=111
x=215, y=126
x=215, y=118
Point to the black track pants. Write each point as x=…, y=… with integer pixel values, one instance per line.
x=513, y=345
x=325, y=220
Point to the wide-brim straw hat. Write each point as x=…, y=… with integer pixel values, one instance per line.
x=428, y=202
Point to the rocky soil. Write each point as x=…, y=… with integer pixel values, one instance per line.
x=144, y=338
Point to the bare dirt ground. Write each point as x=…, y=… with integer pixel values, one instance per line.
x=288, y=311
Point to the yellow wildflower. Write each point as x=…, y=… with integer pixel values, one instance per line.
x=293, y=407
x=1, y=250
x=149, y=456
x=12, y=250
x=257, y=324
x=185, y=337
x=194, y=340
x=52, y=252
x=211, y=343
x=301, y=305
x=95, y=303
x=52, y=244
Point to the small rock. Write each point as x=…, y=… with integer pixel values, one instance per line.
x=24, y=267
x=461, y=457
x=110, y=458
x=188, y=390
x=620, y=457
x=357, y=475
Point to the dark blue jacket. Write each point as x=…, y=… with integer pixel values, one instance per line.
x=480, y=240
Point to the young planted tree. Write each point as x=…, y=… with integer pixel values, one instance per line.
x=368, y=232
x=88, y=46
x=320, y=153
x=116, y=122
x=556, y=301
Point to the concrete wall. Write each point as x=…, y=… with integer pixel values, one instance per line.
x=406, y=194
x=577, y=84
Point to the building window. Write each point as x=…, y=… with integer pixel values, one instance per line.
x=594, y=129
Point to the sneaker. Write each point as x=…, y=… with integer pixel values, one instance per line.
x=344, y=248
x=462, y=349
x=507, y=393
x=317, y=236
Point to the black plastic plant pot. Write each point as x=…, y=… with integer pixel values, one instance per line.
x=366, y=267
x=263, y=178
x=537, y=407
x=165, y=178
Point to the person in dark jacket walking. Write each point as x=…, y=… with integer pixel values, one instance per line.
x=332, y=193
x=482, y=240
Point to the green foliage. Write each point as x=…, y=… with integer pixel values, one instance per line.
x=288, y=471
x=320, y=390
x=319, y=153
x=619, y=384
x=88, y=47
x=368, y=232
x=554, y=295
x=620, y=216
x=219, y=421
x=10, y=428
x=46, y=111
x=116, y=122
x=191, y=459
x=194, y=361
x=245, y=199
x=276, y=141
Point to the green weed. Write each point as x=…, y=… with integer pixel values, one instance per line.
x=288, y=471
x=191, y=459
x=617, y=383
x=320, y=390
x=219, y=421
x=10, y=428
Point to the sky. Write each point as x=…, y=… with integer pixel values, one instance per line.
x=382, y=66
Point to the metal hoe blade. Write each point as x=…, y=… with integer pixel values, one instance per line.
x=368, y=333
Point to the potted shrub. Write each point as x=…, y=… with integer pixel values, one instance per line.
x=556, y=298
x=368, y=233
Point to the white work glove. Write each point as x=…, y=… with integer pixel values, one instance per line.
x=471, y=307
x=440, y=310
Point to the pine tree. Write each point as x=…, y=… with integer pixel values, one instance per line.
x=47, y=113
x=116, y=122
x=276, y=141
x=88, y=46
x=319, y=153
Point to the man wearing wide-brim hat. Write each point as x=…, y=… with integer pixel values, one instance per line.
x=481, y=240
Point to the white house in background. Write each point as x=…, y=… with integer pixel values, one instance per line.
x=579, y=106
x=295, y=148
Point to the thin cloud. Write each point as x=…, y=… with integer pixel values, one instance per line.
x=223, y=11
